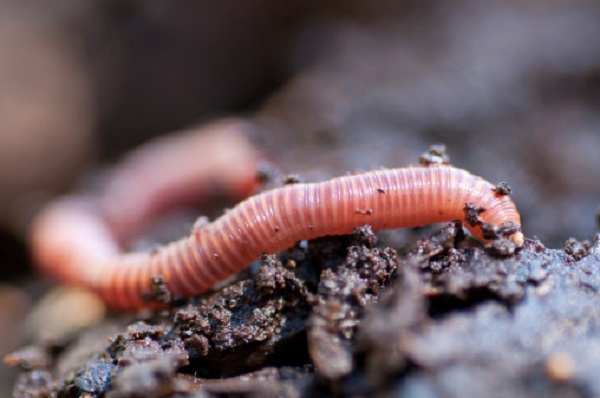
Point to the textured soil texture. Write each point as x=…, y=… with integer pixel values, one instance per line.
x=348, y=316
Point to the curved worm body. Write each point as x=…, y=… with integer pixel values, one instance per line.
x=73, y=243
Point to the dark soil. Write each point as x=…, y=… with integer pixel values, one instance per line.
x=349, y=316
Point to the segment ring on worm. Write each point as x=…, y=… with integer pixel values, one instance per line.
x=83, y=249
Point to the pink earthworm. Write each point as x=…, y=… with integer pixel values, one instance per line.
x=73, y=242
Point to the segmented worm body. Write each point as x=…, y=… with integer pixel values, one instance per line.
x=85, y=251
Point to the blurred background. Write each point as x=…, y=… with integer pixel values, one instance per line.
x=511, y=87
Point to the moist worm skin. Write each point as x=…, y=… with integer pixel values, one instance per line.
x=266, y=223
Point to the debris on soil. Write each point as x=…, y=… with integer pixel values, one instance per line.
x=245, y=324
x=500, y=244
x=345, y=316
x=576, y=249
x=344, y=294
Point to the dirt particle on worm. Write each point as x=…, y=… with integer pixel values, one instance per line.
x=472, y=214
x=490, y=231
x=160, y=291
x=366, y=212
x=436, y=154
x=502, y=188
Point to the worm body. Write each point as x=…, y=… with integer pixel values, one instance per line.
x=73, y=243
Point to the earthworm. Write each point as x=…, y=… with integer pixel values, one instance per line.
x=176, y=170
x=72, y=241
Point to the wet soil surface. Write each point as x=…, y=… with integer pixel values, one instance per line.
x=349, y=316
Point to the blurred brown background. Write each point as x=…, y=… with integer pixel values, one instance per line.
x=511, y=87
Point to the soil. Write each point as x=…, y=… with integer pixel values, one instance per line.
x=350, y=316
